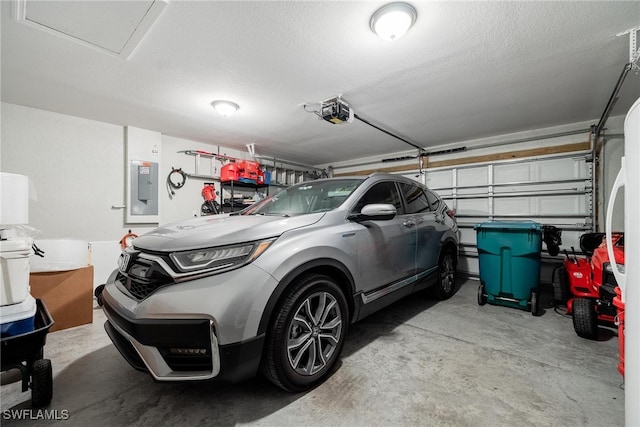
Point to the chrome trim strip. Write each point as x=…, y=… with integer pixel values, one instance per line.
x=159, y=369
x=379, y=293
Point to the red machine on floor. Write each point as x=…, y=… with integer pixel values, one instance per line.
x=591, y=283
x=210, y=206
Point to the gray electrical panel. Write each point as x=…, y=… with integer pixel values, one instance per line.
x=144, y=188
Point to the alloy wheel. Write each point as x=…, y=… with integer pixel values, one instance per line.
x=314, y=333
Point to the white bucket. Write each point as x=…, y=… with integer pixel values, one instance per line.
x=60, y=255
x=14, y=270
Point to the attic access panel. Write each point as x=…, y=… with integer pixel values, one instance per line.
x=114, y=27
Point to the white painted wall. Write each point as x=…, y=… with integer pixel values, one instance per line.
x=75, y=166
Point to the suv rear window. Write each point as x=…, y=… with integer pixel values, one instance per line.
x=434, y=201
x=415, y=198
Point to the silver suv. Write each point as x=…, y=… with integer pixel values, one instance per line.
x=274, y=287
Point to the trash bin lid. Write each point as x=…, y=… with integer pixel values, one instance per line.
x=509, y=225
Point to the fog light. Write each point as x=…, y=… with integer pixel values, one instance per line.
x=187, y=351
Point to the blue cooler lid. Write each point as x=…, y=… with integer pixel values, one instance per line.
x=16, y=312
x=509, y=225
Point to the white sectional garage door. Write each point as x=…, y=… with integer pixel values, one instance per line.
x=554, y=191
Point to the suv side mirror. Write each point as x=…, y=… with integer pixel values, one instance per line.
x=375, y=212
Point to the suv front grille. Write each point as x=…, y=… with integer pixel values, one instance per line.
x=143, y=277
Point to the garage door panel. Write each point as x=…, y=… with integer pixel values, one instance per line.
x=541, y=206
x=439, y=179
x=513, y=206
x=562, y=169
x=478, y=207
x=468, y=235
x=469, y=177
x=551, y=191
x=512, y=173
x=561, y=205
x=541, y=170
x=469, y=265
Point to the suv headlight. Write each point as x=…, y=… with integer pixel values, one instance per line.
x=220, y=258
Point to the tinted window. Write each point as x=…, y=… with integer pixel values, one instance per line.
x=434, y=201
x=416, y=200
x=382, y=192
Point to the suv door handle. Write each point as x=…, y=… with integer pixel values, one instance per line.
x=409, y=224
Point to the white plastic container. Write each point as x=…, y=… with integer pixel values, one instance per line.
x=18, y=319
x=14, y=199
x=14, y=270
x=60, y=255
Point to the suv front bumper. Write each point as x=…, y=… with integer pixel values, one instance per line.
x=181, y=350
x=199, y=330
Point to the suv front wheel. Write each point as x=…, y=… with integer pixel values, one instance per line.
x=306, y=334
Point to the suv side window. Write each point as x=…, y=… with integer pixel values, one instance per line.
x=417, y=201
x=382, y=192
x=434, y=201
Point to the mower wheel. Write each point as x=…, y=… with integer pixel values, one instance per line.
x=482, y=297
x=585, y=318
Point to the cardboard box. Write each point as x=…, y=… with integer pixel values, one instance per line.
x=68, y=295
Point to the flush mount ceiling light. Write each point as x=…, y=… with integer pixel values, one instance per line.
x=393, y=20
x=225, y=108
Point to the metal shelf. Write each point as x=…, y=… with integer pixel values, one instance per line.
x=239, y=186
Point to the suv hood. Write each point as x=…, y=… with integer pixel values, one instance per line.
x=219, y=230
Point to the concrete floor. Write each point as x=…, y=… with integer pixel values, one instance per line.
x=417, y=363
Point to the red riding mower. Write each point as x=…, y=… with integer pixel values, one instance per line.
x=210, y=206
x=590, y=283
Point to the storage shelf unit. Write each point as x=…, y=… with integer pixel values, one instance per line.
x=234, y=186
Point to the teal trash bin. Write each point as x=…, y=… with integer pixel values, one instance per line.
x=509, y=261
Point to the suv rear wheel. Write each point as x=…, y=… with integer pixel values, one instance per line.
x=307, y=333
x=446, y=276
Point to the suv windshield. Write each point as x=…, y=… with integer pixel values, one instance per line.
x=307, y=197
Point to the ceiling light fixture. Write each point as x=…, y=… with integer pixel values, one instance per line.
x=225, y=108
x=393, y=20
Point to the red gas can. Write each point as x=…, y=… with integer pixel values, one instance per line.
x=230, y=172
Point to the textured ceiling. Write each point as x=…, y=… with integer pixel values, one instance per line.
x=465, y=70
